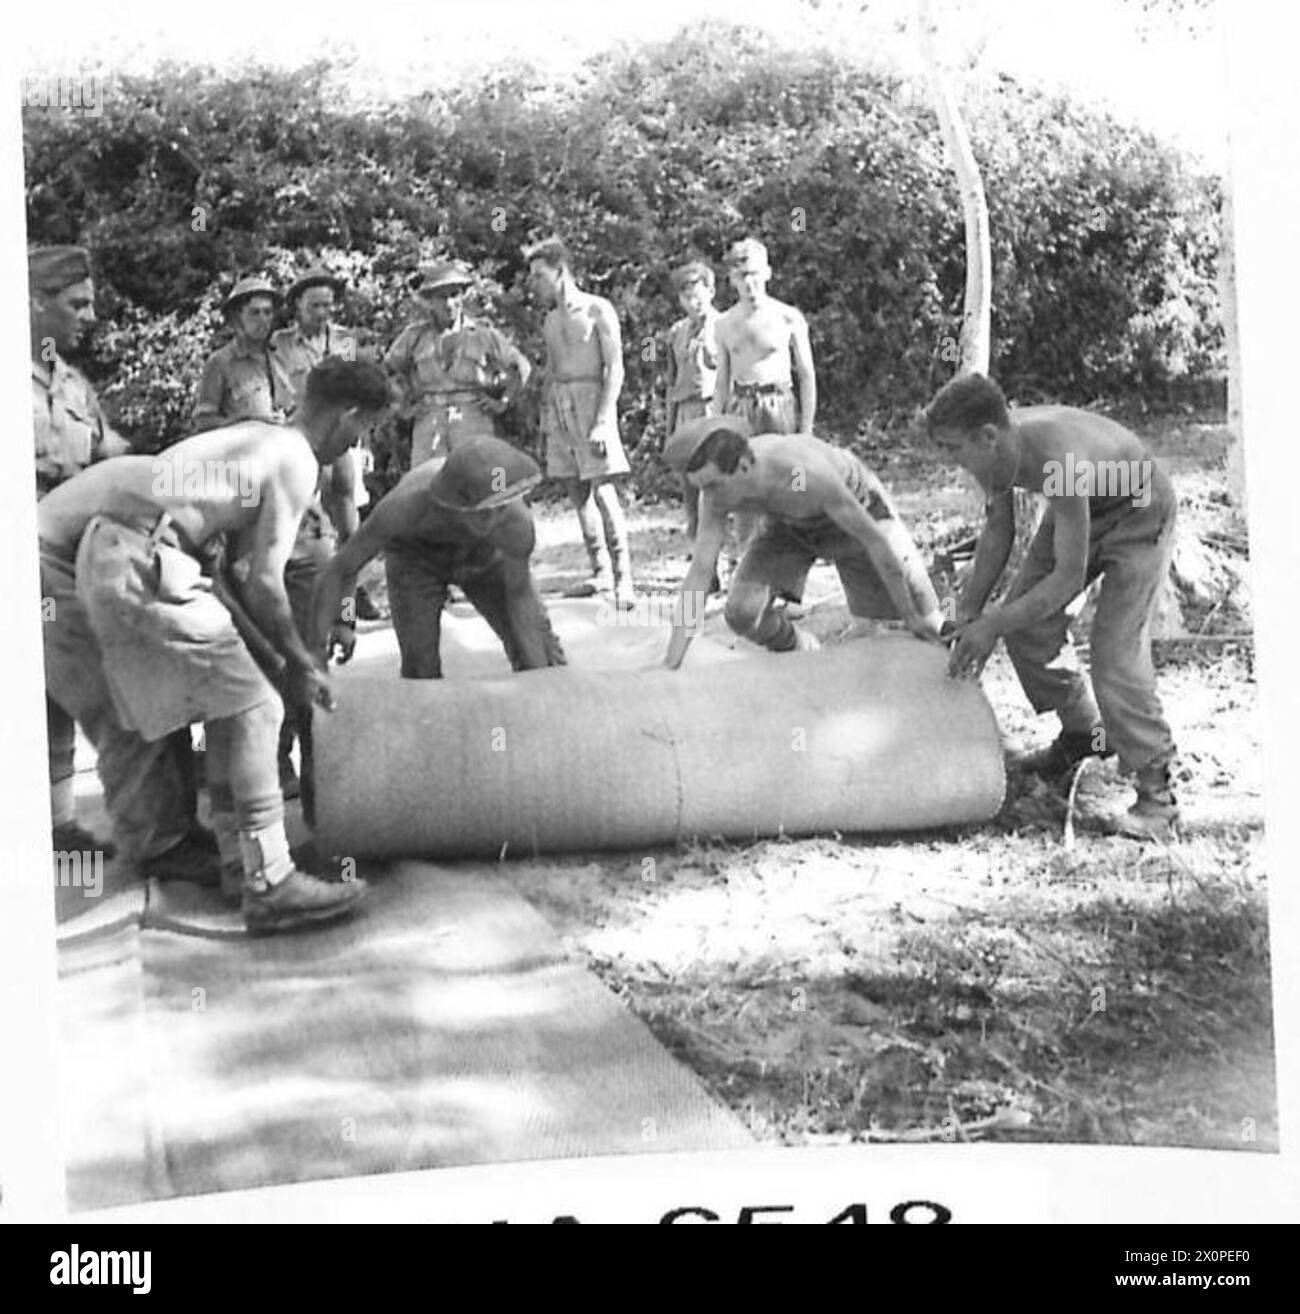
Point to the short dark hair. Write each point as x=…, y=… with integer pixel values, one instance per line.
x=551, y=252
x=339, y=382
x=967, y=402
x=725, y=448
x=694, y=271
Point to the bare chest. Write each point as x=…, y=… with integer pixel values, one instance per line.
x=757, y=336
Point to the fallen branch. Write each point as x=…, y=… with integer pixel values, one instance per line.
x=1002, y=1120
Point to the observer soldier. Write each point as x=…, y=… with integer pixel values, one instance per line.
x=312, y=299
x=245, y=379
x=763, y=350
x=457, y=376
x=584, y=376
x=692, y=363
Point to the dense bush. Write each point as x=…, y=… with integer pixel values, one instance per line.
x=1104, y=243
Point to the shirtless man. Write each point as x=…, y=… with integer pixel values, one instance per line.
x=817, y=502
x=462, y=522
x=1110, y=512
x=584, y=376
x=759, y=340
x=123, y=550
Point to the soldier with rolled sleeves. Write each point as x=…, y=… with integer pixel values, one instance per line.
x=248, y=379
x=456, y=375
x=245, y=379
x=156, y=826
x=692, y=363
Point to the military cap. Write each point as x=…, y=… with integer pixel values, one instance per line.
x=315, y=278
x=52, y=268
x=446, y=273
x=679, y=449
x=747, y=254
x=254, y=286
x=483, y=473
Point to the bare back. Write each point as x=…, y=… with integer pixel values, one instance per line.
x=797, y=478
x=1051, y=433
x=232, y=480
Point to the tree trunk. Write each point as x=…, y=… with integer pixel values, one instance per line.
x=975, y=348
x=976, y=333
x=1232, y=344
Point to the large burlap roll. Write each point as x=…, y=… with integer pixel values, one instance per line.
x=867, y=736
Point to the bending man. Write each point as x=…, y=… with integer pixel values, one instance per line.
x=462, y=523
x=817, y=502
x=124, y=545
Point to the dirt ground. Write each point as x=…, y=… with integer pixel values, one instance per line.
x=1030, y=979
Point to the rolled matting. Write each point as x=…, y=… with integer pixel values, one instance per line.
x=866, y=736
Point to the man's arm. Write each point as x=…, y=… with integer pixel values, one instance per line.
x=210, y=396
x=1069, y=570
x=610, y=338
x=722, y=380
x=1069, y=574
x=670, y=382
x=689, y=613
x=339, y=495
x=397, y=364
x=285, y=495
x=111, y=443
x=518, y=370
x=338, y=580
x=991, y=554
x=522, y=604
x=847, y=512
x=801, y=350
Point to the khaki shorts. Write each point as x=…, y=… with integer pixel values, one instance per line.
x=780, y=556
x=765, y=412
x=568, y=410
x=442, y=427
x=690, y=408
x=171, y=652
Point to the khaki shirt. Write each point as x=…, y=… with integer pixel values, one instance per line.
x=241, y=383
x=693, y=359
x=455, y=367
x=71, y=432
x=299, y=356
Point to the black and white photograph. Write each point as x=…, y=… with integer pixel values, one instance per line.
x=645, y=586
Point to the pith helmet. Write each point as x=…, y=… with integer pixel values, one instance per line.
x=254, y=286
x=679, y=449
x=484, y=473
